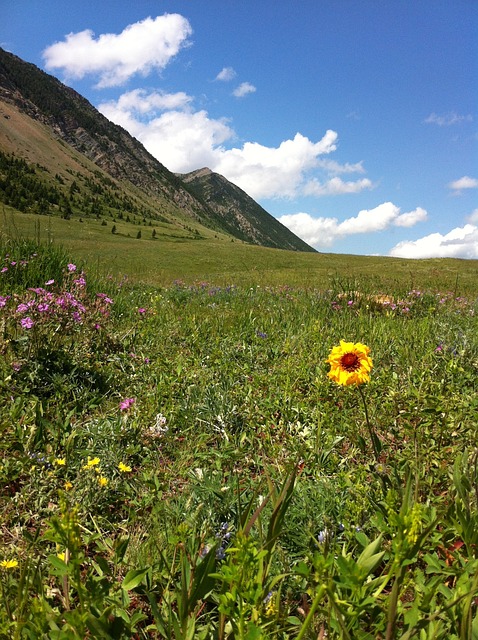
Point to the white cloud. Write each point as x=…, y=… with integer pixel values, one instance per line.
x=272, y=172
x=447, y=119
x=464, y=183
x=336, y=186
x=411, y=218
x=185, y=140
x=140, y=48
x=243, y=89
x=323, y=232
x=226, y=74
x=461, y=242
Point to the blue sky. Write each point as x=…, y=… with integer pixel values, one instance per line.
x=354, y=122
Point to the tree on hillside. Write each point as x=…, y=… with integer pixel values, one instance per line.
x=113, y=229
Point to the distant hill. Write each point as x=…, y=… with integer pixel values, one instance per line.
x=60, y=156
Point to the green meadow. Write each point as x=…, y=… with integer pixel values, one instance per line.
x=177, y=463
x=179, y=253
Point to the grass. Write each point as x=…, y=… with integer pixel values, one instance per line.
x=175, y=461
x=214, y=258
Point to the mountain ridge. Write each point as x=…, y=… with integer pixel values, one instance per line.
x=202, y=197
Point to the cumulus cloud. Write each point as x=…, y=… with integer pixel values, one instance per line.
x=447, y=119
x=243, y=89
x=184, y=140
x=463, y=183
x=140, y=48
x=226, y=74
x=461, y=242
x=323, y=232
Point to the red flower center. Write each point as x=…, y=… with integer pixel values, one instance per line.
x=350, y=362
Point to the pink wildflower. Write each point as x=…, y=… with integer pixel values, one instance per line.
x=127, y=403
x=71, y=267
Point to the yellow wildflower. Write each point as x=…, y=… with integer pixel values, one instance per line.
x=124, y=468
x=92, y=462
x=68, y=485
x=8, y=564
x=102, y=481
x=61, y=555
x=61, y=462
x=350, y=363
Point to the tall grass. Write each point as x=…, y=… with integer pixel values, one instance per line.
x=176, y=463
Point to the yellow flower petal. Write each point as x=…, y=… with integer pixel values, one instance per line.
x=350, y=363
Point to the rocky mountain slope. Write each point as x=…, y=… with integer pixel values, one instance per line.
x=83, y=164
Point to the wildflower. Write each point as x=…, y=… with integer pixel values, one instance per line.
x=92, y=462
x=61, y=555
x=27, y=323
x=141, y=310
x=124, y=468
x=350, y=363
x=68, y=485
x=71, y=267
x=8, y=564
x=61, y=462
x=49, y=282
x=127, y=403
x=102, y=481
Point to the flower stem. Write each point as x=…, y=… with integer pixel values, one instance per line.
x=373, y=436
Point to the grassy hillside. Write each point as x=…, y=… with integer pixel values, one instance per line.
x=175, y=462
x=179, y=253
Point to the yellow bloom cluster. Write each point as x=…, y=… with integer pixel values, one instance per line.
x=8, y=564
x=350, y=363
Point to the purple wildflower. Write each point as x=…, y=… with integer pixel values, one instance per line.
x=71, y=267
x=22, y=307
x=49, y=282
x=27, y=323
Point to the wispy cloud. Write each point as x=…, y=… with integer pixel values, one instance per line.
x=226, y=74
x=461, y=242
x=336, y=186
x=243, y=89
x=447, y=119
x=323, y=232
x=463, y=183
x=140, y=48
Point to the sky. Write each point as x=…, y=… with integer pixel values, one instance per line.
x=354, y=122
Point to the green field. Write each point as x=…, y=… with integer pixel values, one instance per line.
x=176, y=463
x=173, y=255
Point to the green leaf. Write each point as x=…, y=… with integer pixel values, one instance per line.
x=133, y=578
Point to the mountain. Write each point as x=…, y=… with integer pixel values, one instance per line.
x=59, y=155
x=238, y=213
